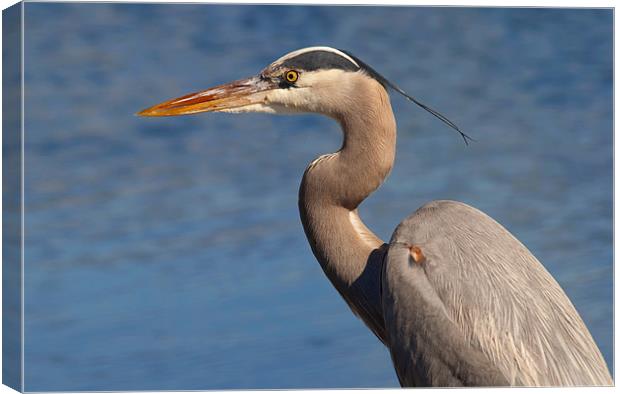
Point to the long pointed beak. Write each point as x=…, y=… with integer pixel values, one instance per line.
x=229, y=96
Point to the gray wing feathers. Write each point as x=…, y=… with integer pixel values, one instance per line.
x=480, y=309
x=427, y=347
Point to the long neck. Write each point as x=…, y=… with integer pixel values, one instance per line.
x=332, y=188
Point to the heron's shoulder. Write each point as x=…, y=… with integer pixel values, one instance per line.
x=448, y=207
x=450, y=257
x=444, y=215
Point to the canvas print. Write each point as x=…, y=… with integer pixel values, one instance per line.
x=212, y=197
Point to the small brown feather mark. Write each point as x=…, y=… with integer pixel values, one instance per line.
x=417, y=254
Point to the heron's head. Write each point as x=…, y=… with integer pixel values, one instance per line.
x=315, y=79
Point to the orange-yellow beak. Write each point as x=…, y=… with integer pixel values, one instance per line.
x=230, y=96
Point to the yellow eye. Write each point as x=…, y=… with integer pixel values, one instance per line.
x=291, y=76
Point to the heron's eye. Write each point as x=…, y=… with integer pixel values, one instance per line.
x=291, y=76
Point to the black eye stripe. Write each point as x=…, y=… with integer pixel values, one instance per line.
x=319, y=60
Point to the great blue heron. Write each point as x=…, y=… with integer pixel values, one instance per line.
x=456, y=298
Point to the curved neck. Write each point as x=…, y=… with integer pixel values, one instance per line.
x=332, y=188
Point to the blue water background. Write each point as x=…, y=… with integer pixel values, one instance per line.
x=168, y=253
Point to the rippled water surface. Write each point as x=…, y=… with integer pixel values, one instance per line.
x=168, y=253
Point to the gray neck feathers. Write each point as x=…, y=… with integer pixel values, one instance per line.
x=332, y=188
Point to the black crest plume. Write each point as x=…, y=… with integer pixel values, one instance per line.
x=386, y=83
